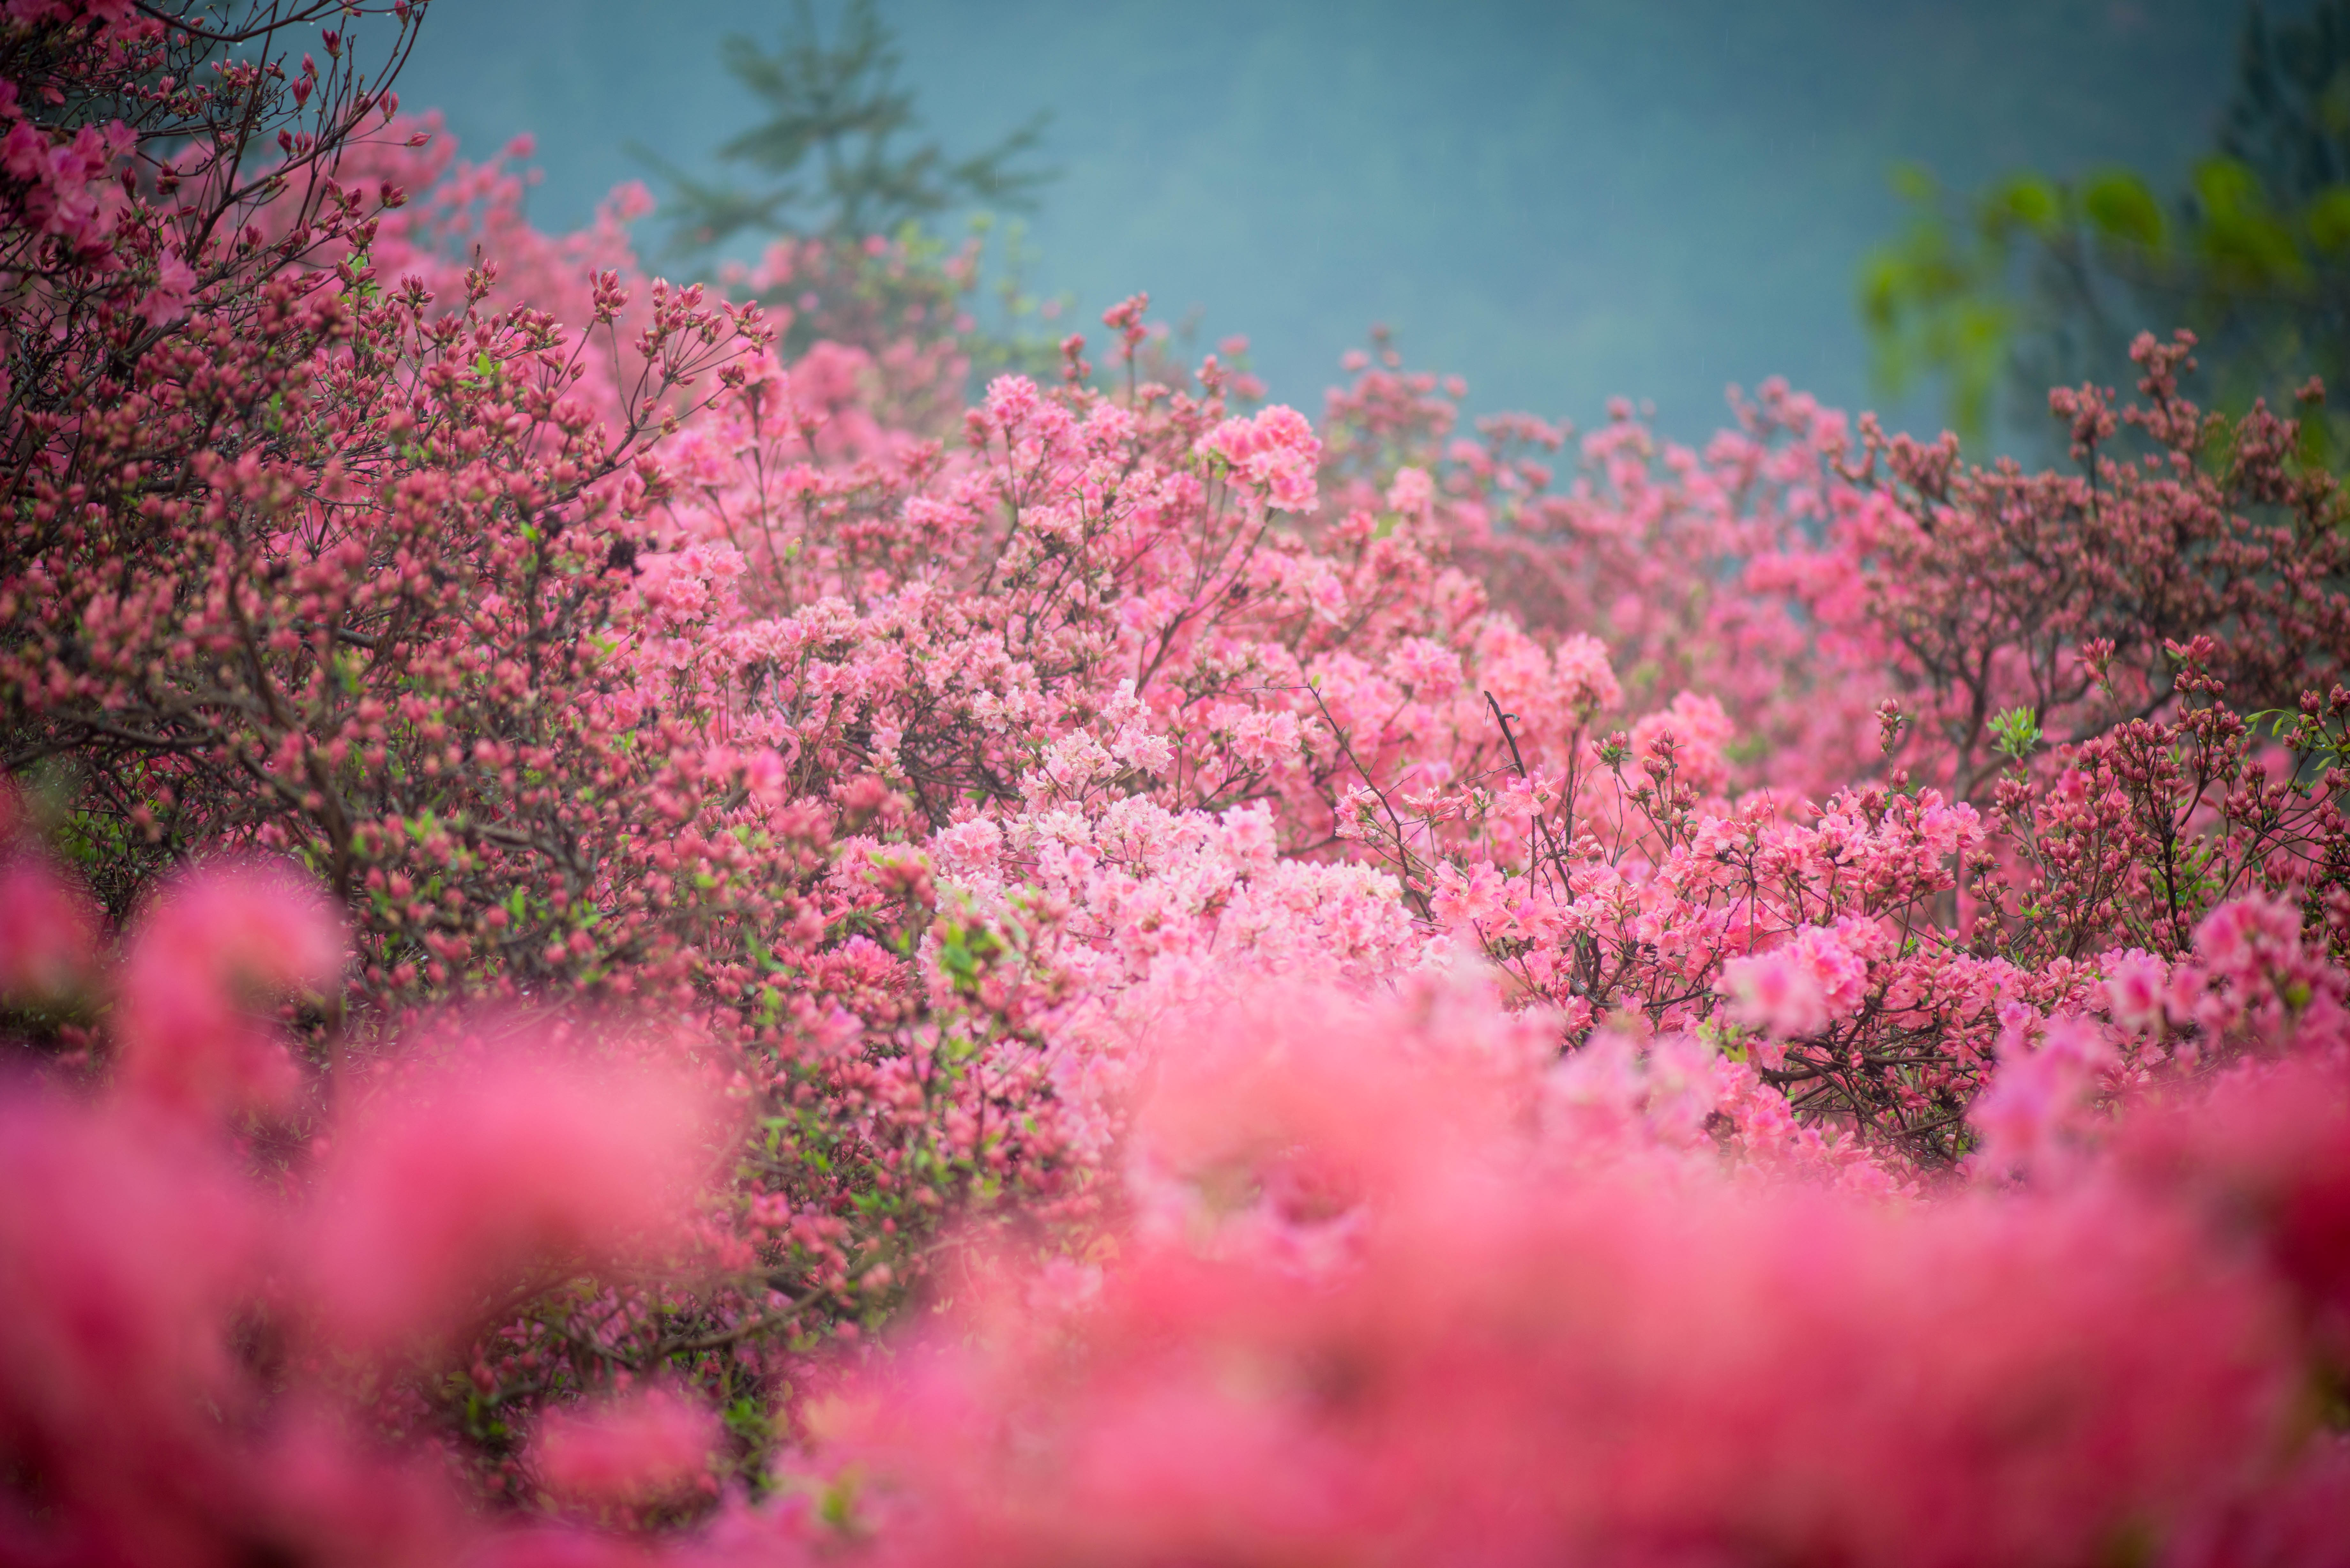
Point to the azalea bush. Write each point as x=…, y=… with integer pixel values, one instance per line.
x=622, y=933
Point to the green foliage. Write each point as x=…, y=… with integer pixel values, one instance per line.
x=1934, y=304
x=2119, y=205
x=2034, y=281
x=2015, y=732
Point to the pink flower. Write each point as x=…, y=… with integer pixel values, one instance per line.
x=167, y=302
x=1777, y=993
x=1465, y=899
x=1834, y=956
x=1248, y=840
x=461, y=1179
x=1586, y=679
x=1277, y=450
x=1411, y=493
x=765, y=776
x=2034, y=1117
x=210, y=960
x=25, y=151
x=2135, y=981
x=641, y=1447
x=1700, y=730
x=2243, y=934
x=2266, y=1157
x=49, y=932
x=1377, y=1328
x=126, y=1246
x=1431, y=669
x=1801, y=987
x=1011, y=402
x=968, y=848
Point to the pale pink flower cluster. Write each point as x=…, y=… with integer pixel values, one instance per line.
x=1818, y=977
x=1275, y=451
x=1586, y=680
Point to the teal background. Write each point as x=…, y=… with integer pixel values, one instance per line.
x=1559, y=201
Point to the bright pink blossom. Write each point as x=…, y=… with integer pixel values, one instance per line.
x=211, y=959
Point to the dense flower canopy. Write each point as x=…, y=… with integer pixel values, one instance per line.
x=617, y=945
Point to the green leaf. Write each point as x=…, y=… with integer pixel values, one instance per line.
x=2119, y=206
x=2226, y=187
x=2026, y=199
x=1913, y=183
x=2015, y=732
x=2327, y=220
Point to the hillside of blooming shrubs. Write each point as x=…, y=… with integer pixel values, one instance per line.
x=615, y=948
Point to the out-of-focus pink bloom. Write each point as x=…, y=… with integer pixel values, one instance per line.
x=2135, y=983
x=461, y=1181
x=2244, y=933
x=1619, y=1098
x=1282, y=1114
x=1699, y=729
x=1834, y=956
x=175, y=282
x=1776, y=992
x=765, y=776
x=2300, y=1520
x=2034, y=1116
x=2267, y=1155
x=1632, y=1369
x=126, y=1248
x=210, y=960
x=646, y=1445
x=49, y=932
x=1586, y=680
x=1802, y=987
x=1411, y=493
x=25, y=151
x=629, y=201
x=1431, y=669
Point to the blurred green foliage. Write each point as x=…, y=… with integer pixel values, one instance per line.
x=1999, y=294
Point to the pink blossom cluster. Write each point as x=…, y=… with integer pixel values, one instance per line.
x=204, y=1314
x=628, y=927
x=1391, y=1272
x=1395, y=1313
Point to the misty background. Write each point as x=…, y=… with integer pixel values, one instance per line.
x=1559, y=201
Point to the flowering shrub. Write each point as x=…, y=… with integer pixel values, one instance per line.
x=609, y=929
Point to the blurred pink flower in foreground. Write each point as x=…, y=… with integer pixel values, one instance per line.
x=211, y=957
x=643, y=1447
x=456, y=1181
x=48, y=931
